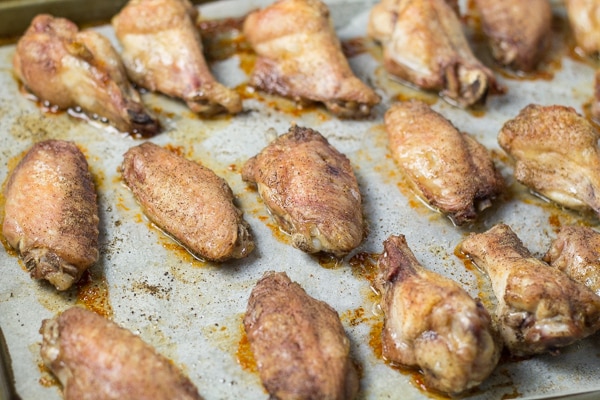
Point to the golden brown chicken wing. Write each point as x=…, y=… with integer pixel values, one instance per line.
x=584, y=18
x=69, y=68
x=162, y=51
x=539, y=308
x=188, y=201
x=51, y=214
x=300, y=57
x=310, y=189
x=299, y=343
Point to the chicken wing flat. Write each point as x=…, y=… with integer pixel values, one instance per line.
x=449, y=169
x=424, y=44
x=300, y=57
x=576, y=252
x=432, y=323
x=556, y=154
x=69, y=68
x=311, y=190
x=51, y=214
x=584, y=18
x=539, y=308
x=299, y=343
x=187, y=201
x=518, y=31
x=162, y=51
x=95, y=359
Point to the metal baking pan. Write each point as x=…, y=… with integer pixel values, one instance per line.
x=191, y=311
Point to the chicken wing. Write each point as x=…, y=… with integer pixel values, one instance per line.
x=310, y=189
x=69, y=68
x=584, y=18
x=451, y=171
x=300, y=57
x=518, y=31
x=539, y=308
x=556, y=154
x=95, y=359
x=51, y=214
x=424, y=44
x=432, y=323
x=299, y=343
x=576, y=251
x=187, y=201
x=162, y=51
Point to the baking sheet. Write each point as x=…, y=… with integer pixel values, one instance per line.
x=191, y=311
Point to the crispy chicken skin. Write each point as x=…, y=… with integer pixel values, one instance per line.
x=518, y=31
x=162, y=51
x=299, y=343
x=69, y=68
x=300, y=57
x=584, y=18
x=556, y=154
x=449, y=169
x=187, y=201
x=95, y=359
x=51, y=214
x=311, y=190
x=576, y=252
x=432, y=323
x=424, y=44
x=539, y=308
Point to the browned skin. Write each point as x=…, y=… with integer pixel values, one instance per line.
x=299, y=343
x=556, y=154
x=162, y=51
x=95, y=359
x=596, y=101
x=576, y=252
x=518, y=31
x=424, y=44
x=310, y=189
x=584, y=17
x=187, y=201
x=69, y=68
x=539, y=308
x=433, y=324
x=51, y=214
x=300, y=57
x=449, y=169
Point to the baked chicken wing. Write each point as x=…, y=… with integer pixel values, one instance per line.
x=95, y=359
x=556, y=154
x=162, y=51
x=68, y=68
x=300, y=57
x=584, y=18
x=51, y=213
x=449, y=169
x=299, y=343
x=539, y=308
x=432, y=323
x=311, y=190
x=424, y=44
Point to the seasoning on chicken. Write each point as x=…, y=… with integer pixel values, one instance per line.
x=300, y=57
x=432, y=323
x=556, y=154
x=518, y=32
x=311, y=190
x=51, y=214
x=424, y=44
x=162, y=51
x=540, y=308
x=584, y=18
x=94, y=358
x=576, y=252
x=449, y=169
x=68, y=68
x=188, y=201
x=299, y=343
